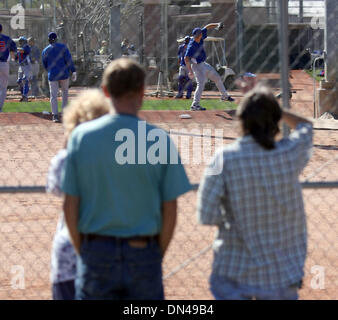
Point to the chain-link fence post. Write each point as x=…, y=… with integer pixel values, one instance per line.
x=284, y=57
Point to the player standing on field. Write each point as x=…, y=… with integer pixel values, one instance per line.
x=195, y=61
x=7, y=46
x=25, y=68
x=183, y=79
x=58, y=61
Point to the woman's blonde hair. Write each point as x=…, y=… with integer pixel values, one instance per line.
x=88, y=105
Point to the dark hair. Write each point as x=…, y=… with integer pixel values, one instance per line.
x=260, y=113
x=0, y=27
x=123, y=77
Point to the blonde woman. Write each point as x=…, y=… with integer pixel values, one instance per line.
x=89, y=105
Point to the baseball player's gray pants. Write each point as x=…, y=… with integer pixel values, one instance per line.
x=54, y=89
x=204, y=71
x=4, y=74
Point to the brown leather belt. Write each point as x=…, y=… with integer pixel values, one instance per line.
x=91, y=237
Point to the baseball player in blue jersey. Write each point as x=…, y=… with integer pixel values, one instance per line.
x=195, y=57
x=183, y=79
x=58, y=61
x=7, y=47
x=25, y=68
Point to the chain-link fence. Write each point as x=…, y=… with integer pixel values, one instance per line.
x=253, y=40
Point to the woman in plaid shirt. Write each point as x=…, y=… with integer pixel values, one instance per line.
x=256, y=202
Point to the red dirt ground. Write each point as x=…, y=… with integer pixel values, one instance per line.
x=28, y=221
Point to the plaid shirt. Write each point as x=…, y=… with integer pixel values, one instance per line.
x=256, y=202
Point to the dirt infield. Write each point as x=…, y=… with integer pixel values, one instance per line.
x=28, y=221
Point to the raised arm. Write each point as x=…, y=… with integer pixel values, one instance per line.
x=211, y=26
x=292, y=119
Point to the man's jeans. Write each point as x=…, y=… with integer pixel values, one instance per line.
x=225, y=289
x=112, y=269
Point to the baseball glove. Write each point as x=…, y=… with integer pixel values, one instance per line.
x=220, y=26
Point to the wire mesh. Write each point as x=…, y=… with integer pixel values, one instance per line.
x=151, y=32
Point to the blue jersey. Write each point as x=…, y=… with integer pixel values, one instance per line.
x=6, y=45
x=181, y=53
x=196, y=50
x=23, y=54
x=58, y=61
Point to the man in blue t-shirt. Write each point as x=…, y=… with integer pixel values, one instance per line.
x=121, y=181
x=58, y=61
x=183, y=80
x=195, y=57
x=7, y=47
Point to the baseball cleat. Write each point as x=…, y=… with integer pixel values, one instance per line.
x=24, y=99
x=55, y=119
x=197, y=108
x=179, y=96
x=228, y=98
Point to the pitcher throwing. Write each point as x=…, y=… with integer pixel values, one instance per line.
x=195, y=57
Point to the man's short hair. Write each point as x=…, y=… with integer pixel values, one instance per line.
x=123, y=77
x=0, y=27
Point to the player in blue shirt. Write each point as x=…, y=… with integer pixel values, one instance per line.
x=58, y=61
x=195, y=57
x=183, y=80
x=25, y=68
x=7, y=47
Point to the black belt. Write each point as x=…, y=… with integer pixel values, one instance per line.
x=91, y=237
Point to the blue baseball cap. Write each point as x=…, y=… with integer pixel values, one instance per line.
x=196, y=31
x=22, y=38
x=52, y=36
x=187, y=38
